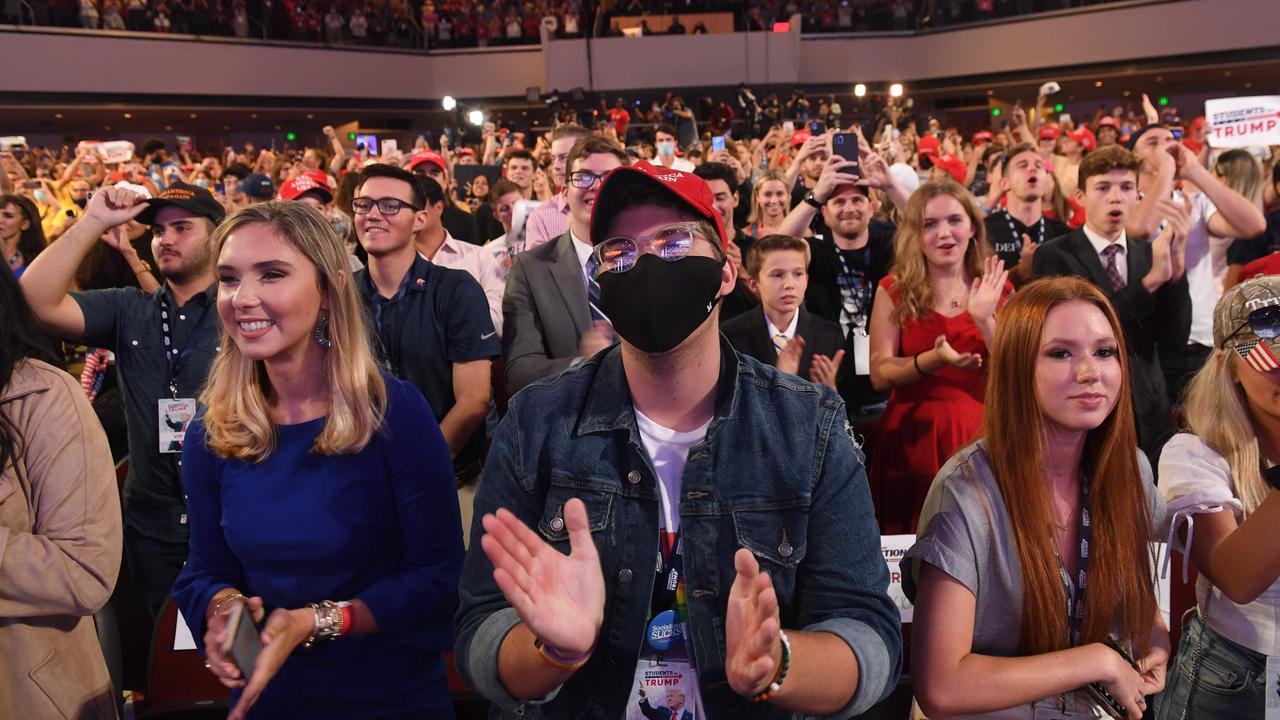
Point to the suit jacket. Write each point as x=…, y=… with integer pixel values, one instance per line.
x=544, y=311
x=1148, y=319
x=749, y=335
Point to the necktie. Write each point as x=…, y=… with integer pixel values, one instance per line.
x=1113, y=270
x=780, y=342
x=593, y=290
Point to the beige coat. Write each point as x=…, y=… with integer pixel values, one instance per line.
x=60, y=536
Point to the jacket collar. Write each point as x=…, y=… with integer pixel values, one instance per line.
x=25, y=380
x=609, y=406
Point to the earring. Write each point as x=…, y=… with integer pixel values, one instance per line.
x=321, y=334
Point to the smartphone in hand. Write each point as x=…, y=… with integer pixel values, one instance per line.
x=243, y=642
x=717, y=143
x=845, y=146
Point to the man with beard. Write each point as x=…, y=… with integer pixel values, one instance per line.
x=163, y=341
x=742, y=483
x=849, y=257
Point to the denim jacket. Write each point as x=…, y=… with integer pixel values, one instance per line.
x=777, y=473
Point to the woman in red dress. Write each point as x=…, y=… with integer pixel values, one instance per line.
x=931, y=324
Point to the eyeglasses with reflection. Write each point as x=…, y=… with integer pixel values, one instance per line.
x=583, y=179
x=387, y=206
x=669, y=242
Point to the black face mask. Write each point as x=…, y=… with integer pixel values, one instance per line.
x=80, y=202
x=657, y=304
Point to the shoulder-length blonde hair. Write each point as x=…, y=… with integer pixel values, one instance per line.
x=1219, y=414
x=237, y=418
x=1120, y=572
x=910, y=268
x=757, y=211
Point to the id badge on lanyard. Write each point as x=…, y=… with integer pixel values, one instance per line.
x=174, y=413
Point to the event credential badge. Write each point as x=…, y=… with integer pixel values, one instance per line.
x=1273, y=688
x=666, y=681
x=174, y=416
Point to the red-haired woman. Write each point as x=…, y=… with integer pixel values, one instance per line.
x=1031, y=576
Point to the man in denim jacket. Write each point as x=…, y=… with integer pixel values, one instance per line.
x=768, y=599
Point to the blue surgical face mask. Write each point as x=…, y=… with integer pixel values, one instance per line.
x=202, y=182
x=666, y=148
x=41, y=196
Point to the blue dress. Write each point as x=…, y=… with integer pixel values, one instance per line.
x=381, y=525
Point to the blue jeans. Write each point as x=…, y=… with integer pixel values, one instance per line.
x=1212, y=677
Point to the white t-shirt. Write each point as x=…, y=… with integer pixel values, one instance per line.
x=1206, y=268
x=668, y=449
x=1195, y=479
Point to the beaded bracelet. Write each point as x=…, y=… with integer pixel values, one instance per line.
x=781, y=675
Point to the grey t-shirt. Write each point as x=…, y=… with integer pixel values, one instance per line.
x=965, y=532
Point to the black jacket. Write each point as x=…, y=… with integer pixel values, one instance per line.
x=749, y=335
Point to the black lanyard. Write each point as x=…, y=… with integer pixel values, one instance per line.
x=175, y=357
x=856, y=281
x=1017, y=236
x=1075, y=596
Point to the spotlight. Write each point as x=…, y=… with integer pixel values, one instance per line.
x=476, y=117
x=860, y=90
x=448, y=103
x=895, y=90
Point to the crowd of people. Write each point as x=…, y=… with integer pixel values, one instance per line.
x=467, y=397
x=457, y=23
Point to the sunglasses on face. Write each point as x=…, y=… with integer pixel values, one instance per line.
x=669, y=242
x=1263, y=322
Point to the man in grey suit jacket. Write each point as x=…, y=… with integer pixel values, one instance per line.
x=548, y=319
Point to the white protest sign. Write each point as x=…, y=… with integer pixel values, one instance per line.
x=11, y=141
x=1243, y=121
x=116, y=151
x=893, y=547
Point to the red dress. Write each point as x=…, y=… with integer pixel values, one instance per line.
x=927, y=421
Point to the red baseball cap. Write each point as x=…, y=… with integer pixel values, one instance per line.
x=425, y=156
x=1085, y=137
x=799, y=137
x=982, y=136
x=929, y=145
x=1048, y=132
x=311, y=181
x=1109, y=121
x=466, y=151
x=692, y=192
x=953, y=166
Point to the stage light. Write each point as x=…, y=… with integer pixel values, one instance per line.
x=476, y=117
x=860, y=90
x=895, y=90
x=448, y=103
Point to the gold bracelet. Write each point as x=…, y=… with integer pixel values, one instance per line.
x=217, y=607
x=144, y=267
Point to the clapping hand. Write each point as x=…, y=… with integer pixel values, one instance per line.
x=949, y=355
x=560, y=598
x=825, y=369
x=985, y=292
x=789, y=358
x=752, y=629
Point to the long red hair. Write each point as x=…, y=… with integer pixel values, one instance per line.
x=1121, y=590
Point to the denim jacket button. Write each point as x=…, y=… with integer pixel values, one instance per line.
x=557, y=524
x=633, y=477
x=625, y=575
x=785, y=549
